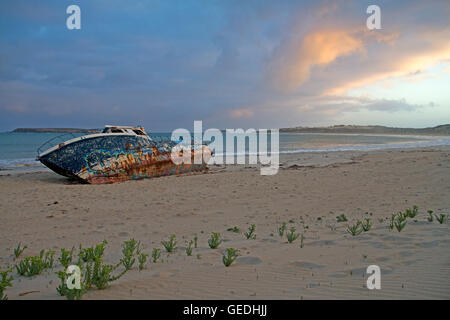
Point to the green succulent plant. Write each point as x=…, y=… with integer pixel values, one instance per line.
x=171, y=244
x=5, y=281
x=355, y=229
x=291, y=235
x=18, y=251
x=230, y=256
x=441, y=218
x=250, y=234
x=215, y=240
x=366, y=225
x=156, y=254
x=282, y=229
x=189, y=248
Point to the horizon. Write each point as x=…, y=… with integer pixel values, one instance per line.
x=293, y=127
x=230, y=64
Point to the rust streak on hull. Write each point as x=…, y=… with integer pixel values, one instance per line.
x=143, y=167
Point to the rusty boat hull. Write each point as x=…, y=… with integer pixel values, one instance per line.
x=115, y=157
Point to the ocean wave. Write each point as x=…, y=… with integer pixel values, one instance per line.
x=7, y=164
x=394, y=145
x=434, y=141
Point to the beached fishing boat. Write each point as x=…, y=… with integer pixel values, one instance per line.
x=118, y=153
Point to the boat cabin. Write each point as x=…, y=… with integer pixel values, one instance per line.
x=124, y=129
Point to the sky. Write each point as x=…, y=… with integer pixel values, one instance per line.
x=230, y=63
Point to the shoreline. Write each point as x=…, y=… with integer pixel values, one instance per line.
x=436, y=141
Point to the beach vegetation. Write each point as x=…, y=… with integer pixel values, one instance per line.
x=441, y=218
x=234, y=229
x=66, y=257
x=291, y=235
x=34, y=265
x=341, y=218
x=19, y=250
x=156, y=254
x=230, y=256
x=400, y=223
x=94, y=271
x=189, y=248
x=402, y=216
x=366, y=225
x=5, y=281
x=70, y=294
x=142, y=259
x=215, y=240
x=195, y=241
x=282, y=229
x=430, y=215
x=91, y=253
x=99, y=274
x=411, y=213
x=48, y=259
x=130, y=249
x=391, y=224
x=355, y=229
x=171, y=244
x=250, y=234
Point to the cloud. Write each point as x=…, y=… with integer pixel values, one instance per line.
x=241, y=113
x=327, y=50
x=340, y=104
x=380, y=56
x=396, y=63
x=352, y=104
x=319, y=48
x=318, y=110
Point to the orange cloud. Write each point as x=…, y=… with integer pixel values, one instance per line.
x=241, y=113
x=316, y=49
x=397, y=68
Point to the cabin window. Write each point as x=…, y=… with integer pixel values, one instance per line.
x=139, y=132
x=115, y=130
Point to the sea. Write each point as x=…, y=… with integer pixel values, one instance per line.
x=18, y=151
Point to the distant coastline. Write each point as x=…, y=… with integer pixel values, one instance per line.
x=336, y=129
x=54, y=130
x=438, y=130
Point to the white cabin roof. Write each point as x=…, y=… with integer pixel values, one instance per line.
x=124, y=127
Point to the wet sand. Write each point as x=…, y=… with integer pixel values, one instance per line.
x=44, y=210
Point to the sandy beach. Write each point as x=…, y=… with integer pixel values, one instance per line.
x=47, y=211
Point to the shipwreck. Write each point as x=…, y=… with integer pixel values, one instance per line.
x=118, y=153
